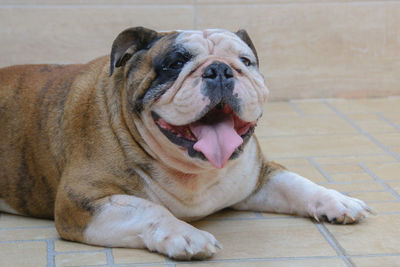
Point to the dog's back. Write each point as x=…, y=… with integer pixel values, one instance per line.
x=32, y=99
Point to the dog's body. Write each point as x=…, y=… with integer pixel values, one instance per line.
x=121, y=156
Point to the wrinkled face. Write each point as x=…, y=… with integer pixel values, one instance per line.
x=206, y=95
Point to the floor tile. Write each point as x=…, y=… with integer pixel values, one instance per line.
x=388, y=261
x=273, y=215
x=291, y=161
x=23, y=254
x=66, y=246
x=353, y=187
x=229, y=214
x=388, y=139
x=308, y=171
x=318, y=146
x=396, y=149
x=387, y=171
x=313, y=107
x=268, y=238
x=279, y=109
x=340, y=168
x=28, y=234
x=392, y=117
x=126, y=256
x=373, y=196
x=351, y=177
x=395, y=186
x=385, y=206
x=78, y=259
x=8, y=220
x=367, y=105
x=372, y=123
x=375, y=235
x=294, y=125
x=272, y=263
x=376, y=158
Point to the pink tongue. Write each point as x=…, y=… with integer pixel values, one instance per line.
x=217, y=141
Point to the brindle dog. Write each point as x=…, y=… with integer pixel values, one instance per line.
x=122, y=150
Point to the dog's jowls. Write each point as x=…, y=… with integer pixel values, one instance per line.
x=123, y=150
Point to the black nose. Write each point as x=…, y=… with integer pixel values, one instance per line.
x=219, y=84
x=218, y=71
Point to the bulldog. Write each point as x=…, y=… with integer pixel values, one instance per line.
x=125, y=150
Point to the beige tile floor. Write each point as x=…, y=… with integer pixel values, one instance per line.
x=349, y=145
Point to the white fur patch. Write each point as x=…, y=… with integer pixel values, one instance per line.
x=128, y=221
x=212, y=190
x=6, y=208
x=288, y=192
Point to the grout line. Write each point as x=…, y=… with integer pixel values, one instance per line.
x=50, y=253
x=334, y=243
x=110, y=256
x=319, y=168
x=258, y=215
x=381, y=116
x=296, y=108
x=352, y=123
x=386, y=186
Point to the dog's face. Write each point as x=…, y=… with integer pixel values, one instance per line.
x=199, y=93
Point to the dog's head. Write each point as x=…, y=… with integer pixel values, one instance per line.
x=197, y=94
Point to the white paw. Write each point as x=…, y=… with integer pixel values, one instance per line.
x=181, y=241
x=335, y=207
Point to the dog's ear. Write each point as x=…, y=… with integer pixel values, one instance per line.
x=129, y=42
x=246, y=38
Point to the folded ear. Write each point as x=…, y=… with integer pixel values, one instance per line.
x=129, y=42
x=246, y=38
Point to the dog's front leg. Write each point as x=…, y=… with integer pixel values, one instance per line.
x=129, y=221
x=283, y=191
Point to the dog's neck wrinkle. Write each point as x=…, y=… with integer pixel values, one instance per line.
x=117, y=100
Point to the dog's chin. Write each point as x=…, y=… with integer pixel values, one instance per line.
x=187, y=136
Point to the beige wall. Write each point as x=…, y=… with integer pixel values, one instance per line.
x=307, y=48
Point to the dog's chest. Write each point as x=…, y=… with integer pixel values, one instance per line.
x=195, y=197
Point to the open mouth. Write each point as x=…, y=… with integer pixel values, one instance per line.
x=218, y=136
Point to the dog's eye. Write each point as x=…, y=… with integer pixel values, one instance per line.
x=245, y=61
x=177, y=65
